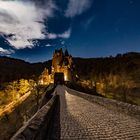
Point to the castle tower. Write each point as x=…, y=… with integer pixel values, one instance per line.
x=62, y=63
x=66, y=53
x=57, y=60
x=44, y=79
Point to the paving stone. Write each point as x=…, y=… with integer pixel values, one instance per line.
x=81, y=119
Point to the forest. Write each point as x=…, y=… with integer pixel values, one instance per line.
x=116, y=77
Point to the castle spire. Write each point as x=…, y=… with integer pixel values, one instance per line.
x=66, y=53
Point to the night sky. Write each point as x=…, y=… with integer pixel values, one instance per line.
x=87, y=28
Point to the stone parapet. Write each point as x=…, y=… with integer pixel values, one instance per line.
x=37, y=127
x=120, y=107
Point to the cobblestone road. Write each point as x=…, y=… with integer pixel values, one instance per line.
x=81, y=119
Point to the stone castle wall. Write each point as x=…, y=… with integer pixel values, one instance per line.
x=61, y=62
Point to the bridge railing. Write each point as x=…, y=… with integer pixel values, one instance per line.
x=129, y=109
x=37, y=126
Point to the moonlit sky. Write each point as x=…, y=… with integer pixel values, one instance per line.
x=33, y=29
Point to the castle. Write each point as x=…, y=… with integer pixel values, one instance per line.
x=61, y=63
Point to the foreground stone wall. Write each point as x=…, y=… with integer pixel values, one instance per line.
x=115, y=105
x=37, y=126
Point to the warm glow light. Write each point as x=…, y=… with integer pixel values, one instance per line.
x=65, y=78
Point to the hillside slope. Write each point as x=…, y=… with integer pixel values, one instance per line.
x=113, y=77
x=13, y=69
x=128, y=63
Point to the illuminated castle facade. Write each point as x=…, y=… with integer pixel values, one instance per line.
x=61, y=63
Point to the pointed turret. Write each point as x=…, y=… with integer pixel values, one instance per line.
x=66, y=53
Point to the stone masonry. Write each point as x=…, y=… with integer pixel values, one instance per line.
x=84, y=120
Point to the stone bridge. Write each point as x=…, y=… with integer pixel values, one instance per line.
x=72, y=115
